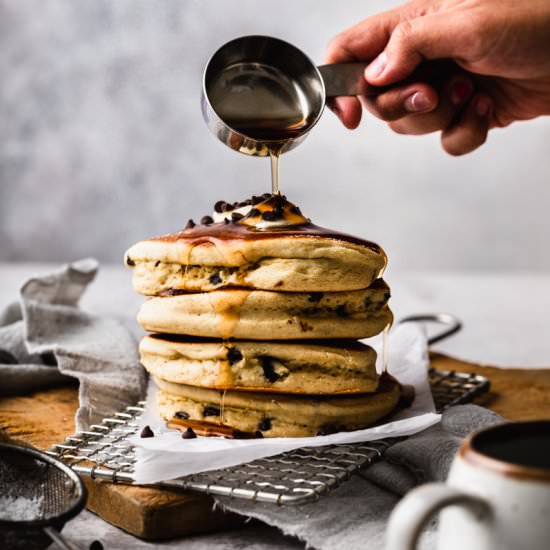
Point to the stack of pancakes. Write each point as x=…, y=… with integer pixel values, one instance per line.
x=256, y=314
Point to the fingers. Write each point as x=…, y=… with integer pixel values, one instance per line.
x=400, y=102
x=452, y=98
x=411, y=42
x=347, y=109
x=470, y=131
x=363, y=41
x=421, y=108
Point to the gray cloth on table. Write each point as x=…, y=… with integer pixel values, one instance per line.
x=45, y=338
x=355, y=515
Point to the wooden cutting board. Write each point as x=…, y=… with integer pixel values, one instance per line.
x=47, y=417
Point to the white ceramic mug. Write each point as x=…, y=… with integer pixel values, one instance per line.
x=497, y=496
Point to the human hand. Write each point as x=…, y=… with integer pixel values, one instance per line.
x=500, y=69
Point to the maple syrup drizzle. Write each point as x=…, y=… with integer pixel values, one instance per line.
x=385, y=349
x=187, y=263
x=227, y=306
x=274, y=156
x=225, y=374
x=213, y=233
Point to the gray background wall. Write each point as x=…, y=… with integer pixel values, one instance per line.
x=102, y=143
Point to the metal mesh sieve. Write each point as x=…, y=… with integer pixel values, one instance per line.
x=38, y=494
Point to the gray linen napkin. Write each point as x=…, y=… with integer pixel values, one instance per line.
x=45, y=338
x=355, y=515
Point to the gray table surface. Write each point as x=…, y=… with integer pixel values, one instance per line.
x=506, y=323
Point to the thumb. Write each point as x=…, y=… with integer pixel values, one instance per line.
x=411, y=42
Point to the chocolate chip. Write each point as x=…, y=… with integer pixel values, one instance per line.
x=211, y=411
x=190, y=224
x=96, y=545
x=315, y=297
x=157, y=263
x=181, y=414
x=266, y=363
x=247, y=202
x=256, y=200
x=269, y=216
x=226, y=221
x=253, y=212
x=295, y=210
x=130, y=262
x=215, y=279
x=220, y=207
x=258, y=434
x=236, y=216
x=341, y=310
x=266, y=195
x=207, y=220
x=189, y=434
x=265, y=424
x=234, y=355
x=146, y=432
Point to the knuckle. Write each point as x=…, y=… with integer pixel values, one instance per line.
x=403, y=31
x=337, y=46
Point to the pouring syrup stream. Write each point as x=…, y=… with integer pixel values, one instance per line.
x=274, y=156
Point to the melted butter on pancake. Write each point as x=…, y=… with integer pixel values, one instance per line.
x=271, y=218
x=275, y=211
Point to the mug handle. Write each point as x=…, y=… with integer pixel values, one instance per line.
x=414, y=511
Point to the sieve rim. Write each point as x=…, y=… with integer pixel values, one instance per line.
x=66, y=515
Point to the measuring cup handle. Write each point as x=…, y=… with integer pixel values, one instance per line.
x=346, y=79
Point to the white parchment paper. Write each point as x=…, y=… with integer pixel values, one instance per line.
x=167, y=455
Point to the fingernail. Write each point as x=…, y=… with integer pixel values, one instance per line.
x=483, y=106
x=376, y=68
x=460, y=91
x=418, y=102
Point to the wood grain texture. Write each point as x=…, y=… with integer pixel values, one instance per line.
x=47, y=417
x=44, y=418
x=515, y=394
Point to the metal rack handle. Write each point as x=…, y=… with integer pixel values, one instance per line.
x=452, y=324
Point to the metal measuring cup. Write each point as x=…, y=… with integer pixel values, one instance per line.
x=262, y=95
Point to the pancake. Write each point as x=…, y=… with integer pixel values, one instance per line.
x=287, y=254
x=304, y=368
x=278, y=415
x=266, y=315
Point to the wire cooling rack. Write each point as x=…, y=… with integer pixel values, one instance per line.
x=294, y=477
